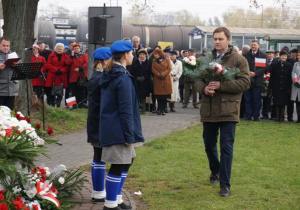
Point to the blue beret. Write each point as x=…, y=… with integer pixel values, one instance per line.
x=120, y=47
x=167, y=49
x=102, y=53
x=173, y=52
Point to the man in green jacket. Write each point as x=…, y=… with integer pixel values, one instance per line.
x=221, y=111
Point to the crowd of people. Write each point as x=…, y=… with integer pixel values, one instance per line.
x=129, y=78
x=161, y=80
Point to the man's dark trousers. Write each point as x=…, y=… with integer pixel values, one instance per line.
x=8, y=101
x=252, y=102
x=210, y=136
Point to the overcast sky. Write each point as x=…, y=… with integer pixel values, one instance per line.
x=204, y=8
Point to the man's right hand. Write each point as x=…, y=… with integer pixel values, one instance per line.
x=2, y=66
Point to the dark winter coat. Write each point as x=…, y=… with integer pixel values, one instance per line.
x=53, y=65
x=224, y=105
x=119, y=108
x=280, y=82
x=142, y=73
x=93, y=119
x=258, y=80
x=163, y=68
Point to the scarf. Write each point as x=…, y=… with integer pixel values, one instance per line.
x=141, y=61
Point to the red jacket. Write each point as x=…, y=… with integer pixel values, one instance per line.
x=75, y=62
x=40, y=59
x=53, y=65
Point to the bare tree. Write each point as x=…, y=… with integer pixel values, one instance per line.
x=19, y=19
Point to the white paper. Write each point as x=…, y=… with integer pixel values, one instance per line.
x=138, y=193
x=12, y=55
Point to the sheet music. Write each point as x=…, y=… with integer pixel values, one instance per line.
x=12, y=55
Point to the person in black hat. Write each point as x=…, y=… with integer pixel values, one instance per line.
x=280, y=84
x=120, y=122
x=265, y=93
x=290, y=104
x=42, y=51
x=141, y=71
x=101, y=56
x=294, y=53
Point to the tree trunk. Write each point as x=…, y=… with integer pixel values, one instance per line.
x=18, y=25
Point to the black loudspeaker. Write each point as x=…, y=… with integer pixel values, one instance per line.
x=97, y=30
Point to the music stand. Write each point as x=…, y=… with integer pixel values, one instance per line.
x=26, y=71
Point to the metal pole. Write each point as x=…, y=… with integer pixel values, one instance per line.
x=262, y=15
x=281, y=25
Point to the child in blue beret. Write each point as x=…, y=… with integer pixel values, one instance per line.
x=120, y=123
x=101, y=56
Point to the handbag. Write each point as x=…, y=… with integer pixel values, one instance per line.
x=81, y=81
x=57, y=90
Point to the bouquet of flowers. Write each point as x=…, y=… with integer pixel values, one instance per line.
x=42, y=189
x=190, y=64
x=265, y=88
x=209, y=69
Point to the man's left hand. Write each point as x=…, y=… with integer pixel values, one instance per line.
x=76, y=69
x=214, y=85
x=252, y=74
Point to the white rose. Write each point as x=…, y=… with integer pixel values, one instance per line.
x=186, y=60
x=192, y=58
x=5, y=111
x=2, y=133
x=193, y=62
x=61, y=180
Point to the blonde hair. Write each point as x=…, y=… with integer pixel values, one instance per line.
x=59, y=45
x=110, y=62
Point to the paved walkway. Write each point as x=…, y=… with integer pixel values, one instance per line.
x=75, y=151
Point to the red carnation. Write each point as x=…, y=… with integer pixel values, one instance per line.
x=28, y=119
x=38, y=125
x=1, y=197
x=43, y=171
x=49, y=130
x=3, y=206
x=18, y=205
x=35, y=207
x=21, y=118
x=17, y=115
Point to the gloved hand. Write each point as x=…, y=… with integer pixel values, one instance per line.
x=59, y=72
x=81, y=69
x=297, y=84
x=161, y=77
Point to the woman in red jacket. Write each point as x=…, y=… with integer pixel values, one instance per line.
x=57, y=73
x=39, y=82
x=78, y=62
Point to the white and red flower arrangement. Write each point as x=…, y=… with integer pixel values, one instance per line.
x=23, y=185
x=208, y=69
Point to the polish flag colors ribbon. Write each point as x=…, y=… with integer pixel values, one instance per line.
x=44, y=192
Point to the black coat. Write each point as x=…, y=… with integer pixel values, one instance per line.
x=142, y=70
x=280, y=82
x=256, y=81
x=94, y=92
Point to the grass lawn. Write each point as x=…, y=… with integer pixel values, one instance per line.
x=172, y=171
x=61, y=120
